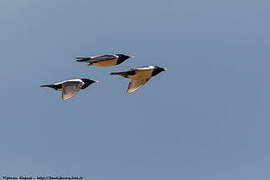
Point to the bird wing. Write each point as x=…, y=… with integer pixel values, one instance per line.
x=140, y=74
x=135, y=84
x=70, y=88
x=144, y=68
x=102, y=58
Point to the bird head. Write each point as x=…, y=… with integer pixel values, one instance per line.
x=123, y=57
x=87, y=82
x=158, y=69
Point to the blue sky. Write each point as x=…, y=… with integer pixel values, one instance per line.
x=206, y=118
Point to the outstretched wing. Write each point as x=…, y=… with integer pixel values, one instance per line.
x=135, y=84
x=71, y=88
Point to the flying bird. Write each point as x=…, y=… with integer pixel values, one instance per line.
x=139, y=76
x=104, y=60
x=70, y=87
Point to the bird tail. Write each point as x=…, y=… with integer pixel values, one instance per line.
x=117, y=73
x=82, y=59
x=48, y=85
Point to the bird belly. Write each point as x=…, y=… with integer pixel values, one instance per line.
x=106, y=63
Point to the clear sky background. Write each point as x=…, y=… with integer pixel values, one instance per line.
x=206, y=118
